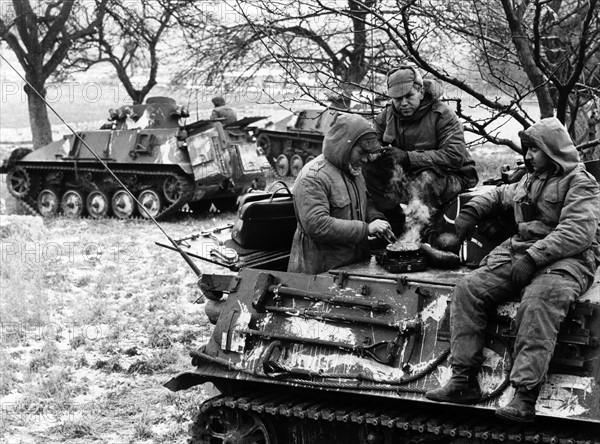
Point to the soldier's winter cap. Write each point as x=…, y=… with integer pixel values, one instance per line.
x=401, y=80
x=218, y=101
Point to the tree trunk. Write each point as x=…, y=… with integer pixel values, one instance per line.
x=526, y=56
x=41, y=130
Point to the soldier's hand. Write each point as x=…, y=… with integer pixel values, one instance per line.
x=402, y=158
x=387, y=160
x=378, y=227
x=393, y=156
x=522, y=270
x=465, y=223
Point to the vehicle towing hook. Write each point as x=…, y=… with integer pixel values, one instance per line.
x=225, y=254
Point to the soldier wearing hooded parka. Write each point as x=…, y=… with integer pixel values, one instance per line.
x=549, y=262
x=330, y=200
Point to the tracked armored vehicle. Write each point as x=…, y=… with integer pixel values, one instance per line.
x=165, y=164
x=294, y=141
x=346, y=356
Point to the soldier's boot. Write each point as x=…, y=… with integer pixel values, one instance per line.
x=462, y=388
x=522, y=406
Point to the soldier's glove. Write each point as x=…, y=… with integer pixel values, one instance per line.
x=387, y=160
x=465, y=223
x=378, y=173
x=402, y=158
x=395, y=156
x=522, y=270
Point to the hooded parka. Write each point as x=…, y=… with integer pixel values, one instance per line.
x=331, y=204
x=557, y=214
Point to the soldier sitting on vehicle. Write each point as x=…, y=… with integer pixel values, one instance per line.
x=427, y=142
x=330, y=200
x=549, y=262
x=222, y=111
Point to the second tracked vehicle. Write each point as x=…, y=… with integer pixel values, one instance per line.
x=294, y=141
x=164, y=163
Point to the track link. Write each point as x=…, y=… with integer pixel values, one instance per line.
x=422, y=423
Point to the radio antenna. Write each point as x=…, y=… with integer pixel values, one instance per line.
x=372, y=61
x=183, y=254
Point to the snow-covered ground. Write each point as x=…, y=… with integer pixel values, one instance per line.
x=95, y=318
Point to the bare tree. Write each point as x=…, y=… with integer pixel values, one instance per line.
x=545, y=49
x=499, y=54
x=305, y=39
x=134, y=37
x=41, y=37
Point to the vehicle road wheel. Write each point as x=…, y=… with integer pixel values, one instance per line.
x=151, y=203
x=48, y=202
x=296, y=165
x=18, y=182
x=172, y=189
x=309, y=159
x=123, y=204
x=282, y=165
x=72, y=203
x=227, y=426
x=98, y=204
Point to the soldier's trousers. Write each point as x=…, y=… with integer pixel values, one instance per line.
x=544, y=304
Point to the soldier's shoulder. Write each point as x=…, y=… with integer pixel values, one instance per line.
x=582, y=171
x=442, y=108
x=384, y=111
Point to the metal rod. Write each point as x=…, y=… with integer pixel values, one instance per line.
x=290, y=291
x=325, y=316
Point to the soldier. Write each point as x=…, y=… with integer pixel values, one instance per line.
x=222, y=111
x=549, y=262
x=426, y=140
x=330, y=201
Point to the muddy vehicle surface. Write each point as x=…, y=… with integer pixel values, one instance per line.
x=347, y=355
x=165, y=163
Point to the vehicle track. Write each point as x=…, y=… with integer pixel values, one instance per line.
x=388, y=422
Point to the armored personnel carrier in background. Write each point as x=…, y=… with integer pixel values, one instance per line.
x=347, y=355
x=294, y=141
x=164, y=163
